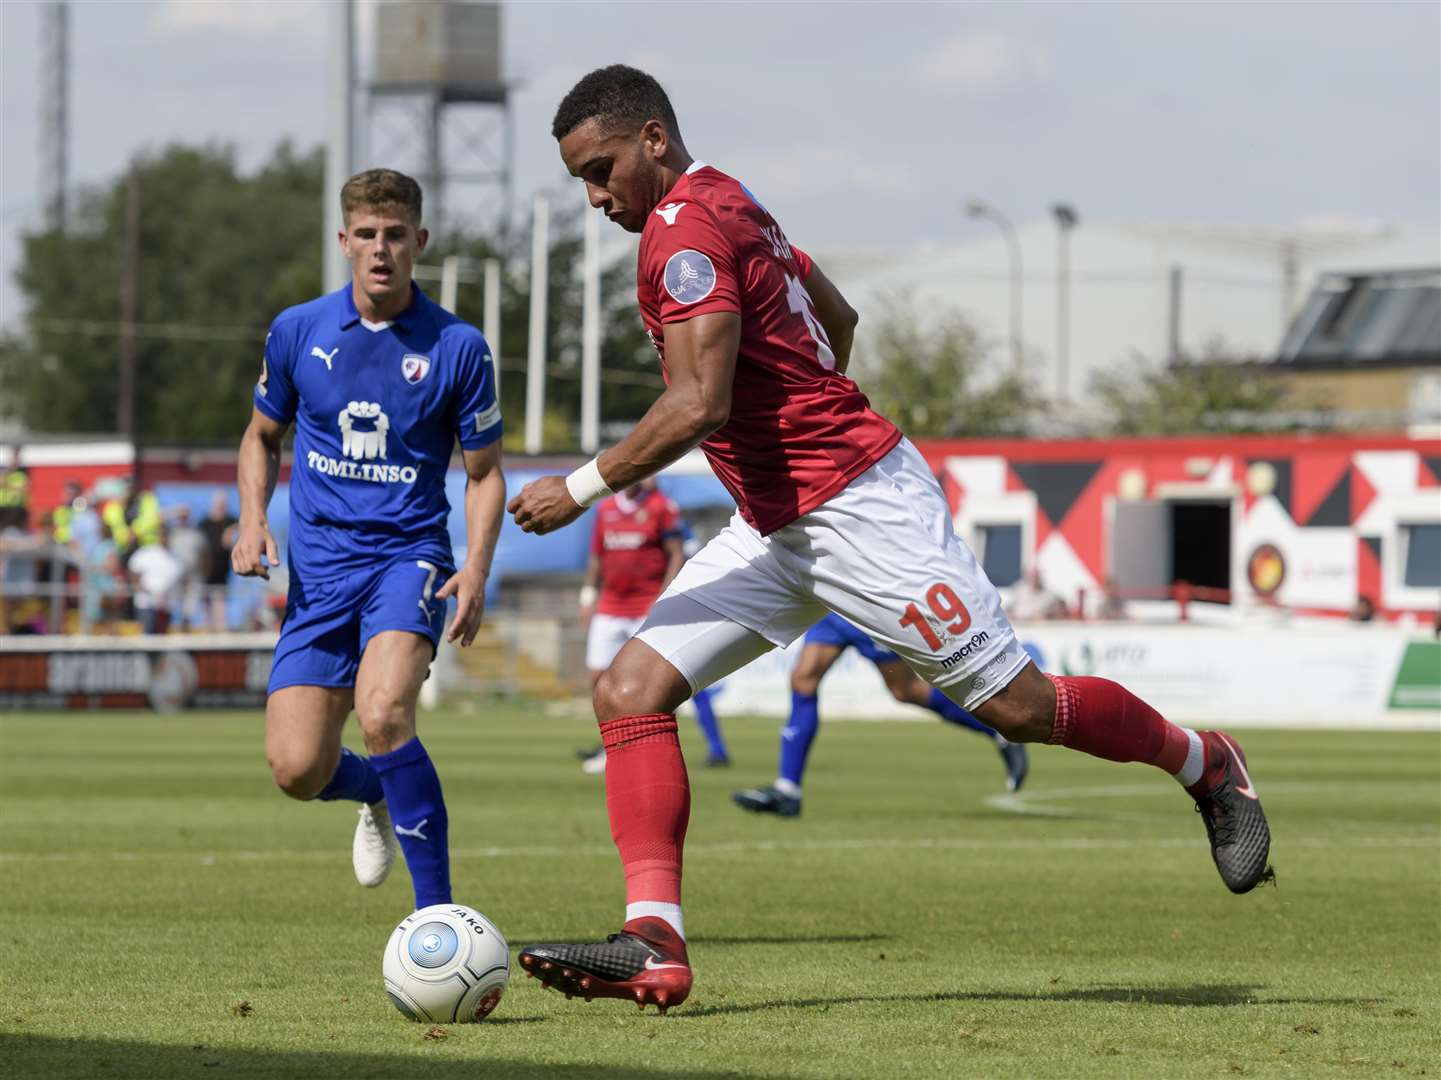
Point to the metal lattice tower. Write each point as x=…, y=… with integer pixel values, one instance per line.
x=437, y=108
x=54, y=110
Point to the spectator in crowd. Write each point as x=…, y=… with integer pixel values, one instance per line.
x=112, y=512
x=15, y=493
x=1112, y=606
x=102, y=573
x=20, y=552
x=142, y=514
x=155, y=577
x=82, y=523
x=63, y=516
x=191, y=546
x=1031, y=600
x=1364, y=610
x=219, y=529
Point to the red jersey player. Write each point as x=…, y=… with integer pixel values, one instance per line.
x=837, y=512
x=635, y=551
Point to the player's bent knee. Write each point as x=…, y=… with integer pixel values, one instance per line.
x=300, y=778
x=805, y=684
x=638, y=683
x=387, y=729
x=1024, y=710
x=386, y=721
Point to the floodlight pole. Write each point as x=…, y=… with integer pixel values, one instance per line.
x=491, y=318
x=977, y=209
x=590, y=337
x=338, y=157
x=1066, y=220
x=535, y=360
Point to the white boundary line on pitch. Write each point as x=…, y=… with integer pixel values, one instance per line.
x=1032, y=803
x=1079, y=843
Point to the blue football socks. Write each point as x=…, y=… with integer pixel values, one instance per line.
x=952, y=713
x=797, y=736
x=709, y=726
x=417, y=811
x=354, y=779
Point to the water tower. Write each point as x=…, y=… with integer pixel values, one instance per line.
x=438, y=109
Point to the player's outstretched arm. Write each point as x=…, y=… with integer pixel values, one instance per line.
x=700, y=356
x=256, y=473
x=484, y=500
x=837, y=317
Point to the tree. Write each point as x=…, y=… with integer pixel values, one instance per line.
x=220, y=255
x=934, y=376
x=1211, y=393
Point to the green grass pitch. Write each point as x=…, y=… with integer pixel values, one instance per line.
x=165, y=912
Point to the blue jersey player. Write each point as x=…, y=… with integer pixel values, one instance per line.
x=380, y=383
x=824, y=643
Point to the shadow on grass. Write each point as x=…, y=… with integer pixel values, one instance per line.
x=60, y=1059
x=1203, y=995
x=818, y=939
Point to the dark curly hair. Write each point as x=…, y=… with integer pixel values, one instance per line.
x=614, y=95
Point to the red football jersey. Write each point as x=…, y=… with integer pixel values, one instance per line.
x=629, y=539
x=799, y=431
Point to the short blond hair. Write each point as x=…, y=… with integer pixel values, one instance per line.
x=376, y=188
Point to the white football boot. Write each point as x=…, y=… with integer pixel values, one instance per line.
x=595, y=764
x=373, y=851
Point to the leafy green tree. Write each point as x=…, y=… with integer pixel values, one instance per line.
x=220, y=254
x=1213, y=392
x=935, y=376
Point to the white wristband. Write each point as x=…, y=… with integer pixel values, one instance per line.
x=586, y=485
x=588, y=594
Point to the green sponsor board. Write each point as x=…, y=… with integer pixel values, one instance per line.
x=1418, y=681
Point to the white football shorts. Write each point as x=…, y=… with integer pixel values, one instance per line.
x=605, y=637
x=882, y=553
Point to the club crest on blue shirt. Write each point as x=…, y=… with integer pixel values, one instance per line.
x=414, y=367
x=689, y=276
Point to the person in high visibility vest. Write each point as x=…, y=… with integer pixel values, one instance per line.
x=113, y=514
x=63, y=516
x=143, y=514
x=15, y=493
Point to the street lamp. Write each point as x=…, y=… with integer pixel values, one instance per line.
x=1066, y=220
x=977, y=209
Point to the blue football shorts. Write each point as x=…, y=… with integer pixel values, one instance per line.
x=329, y=623
x=834, y=630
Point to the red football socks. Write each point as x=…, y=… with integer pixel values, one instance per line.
x=647, y=794
x=1103, y=718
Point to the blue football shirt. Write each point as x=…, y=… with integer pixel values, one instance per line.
x=377, y=409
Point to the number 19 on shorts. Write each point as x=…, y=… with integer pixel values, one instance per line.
x=948, y=610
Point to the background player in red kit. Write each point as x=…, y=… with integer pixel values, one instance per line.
x=637, y=547
x=635, y=551
x=837, y=511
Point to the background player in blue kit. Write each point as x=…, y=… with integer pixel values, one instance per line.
x=379, y=382
x=824, y=643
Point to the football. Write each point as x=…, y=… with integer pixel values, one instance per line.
x=446, y=964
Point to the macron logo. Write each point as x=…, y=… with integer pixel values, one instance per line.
x=669, y=211
x=315, y=350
